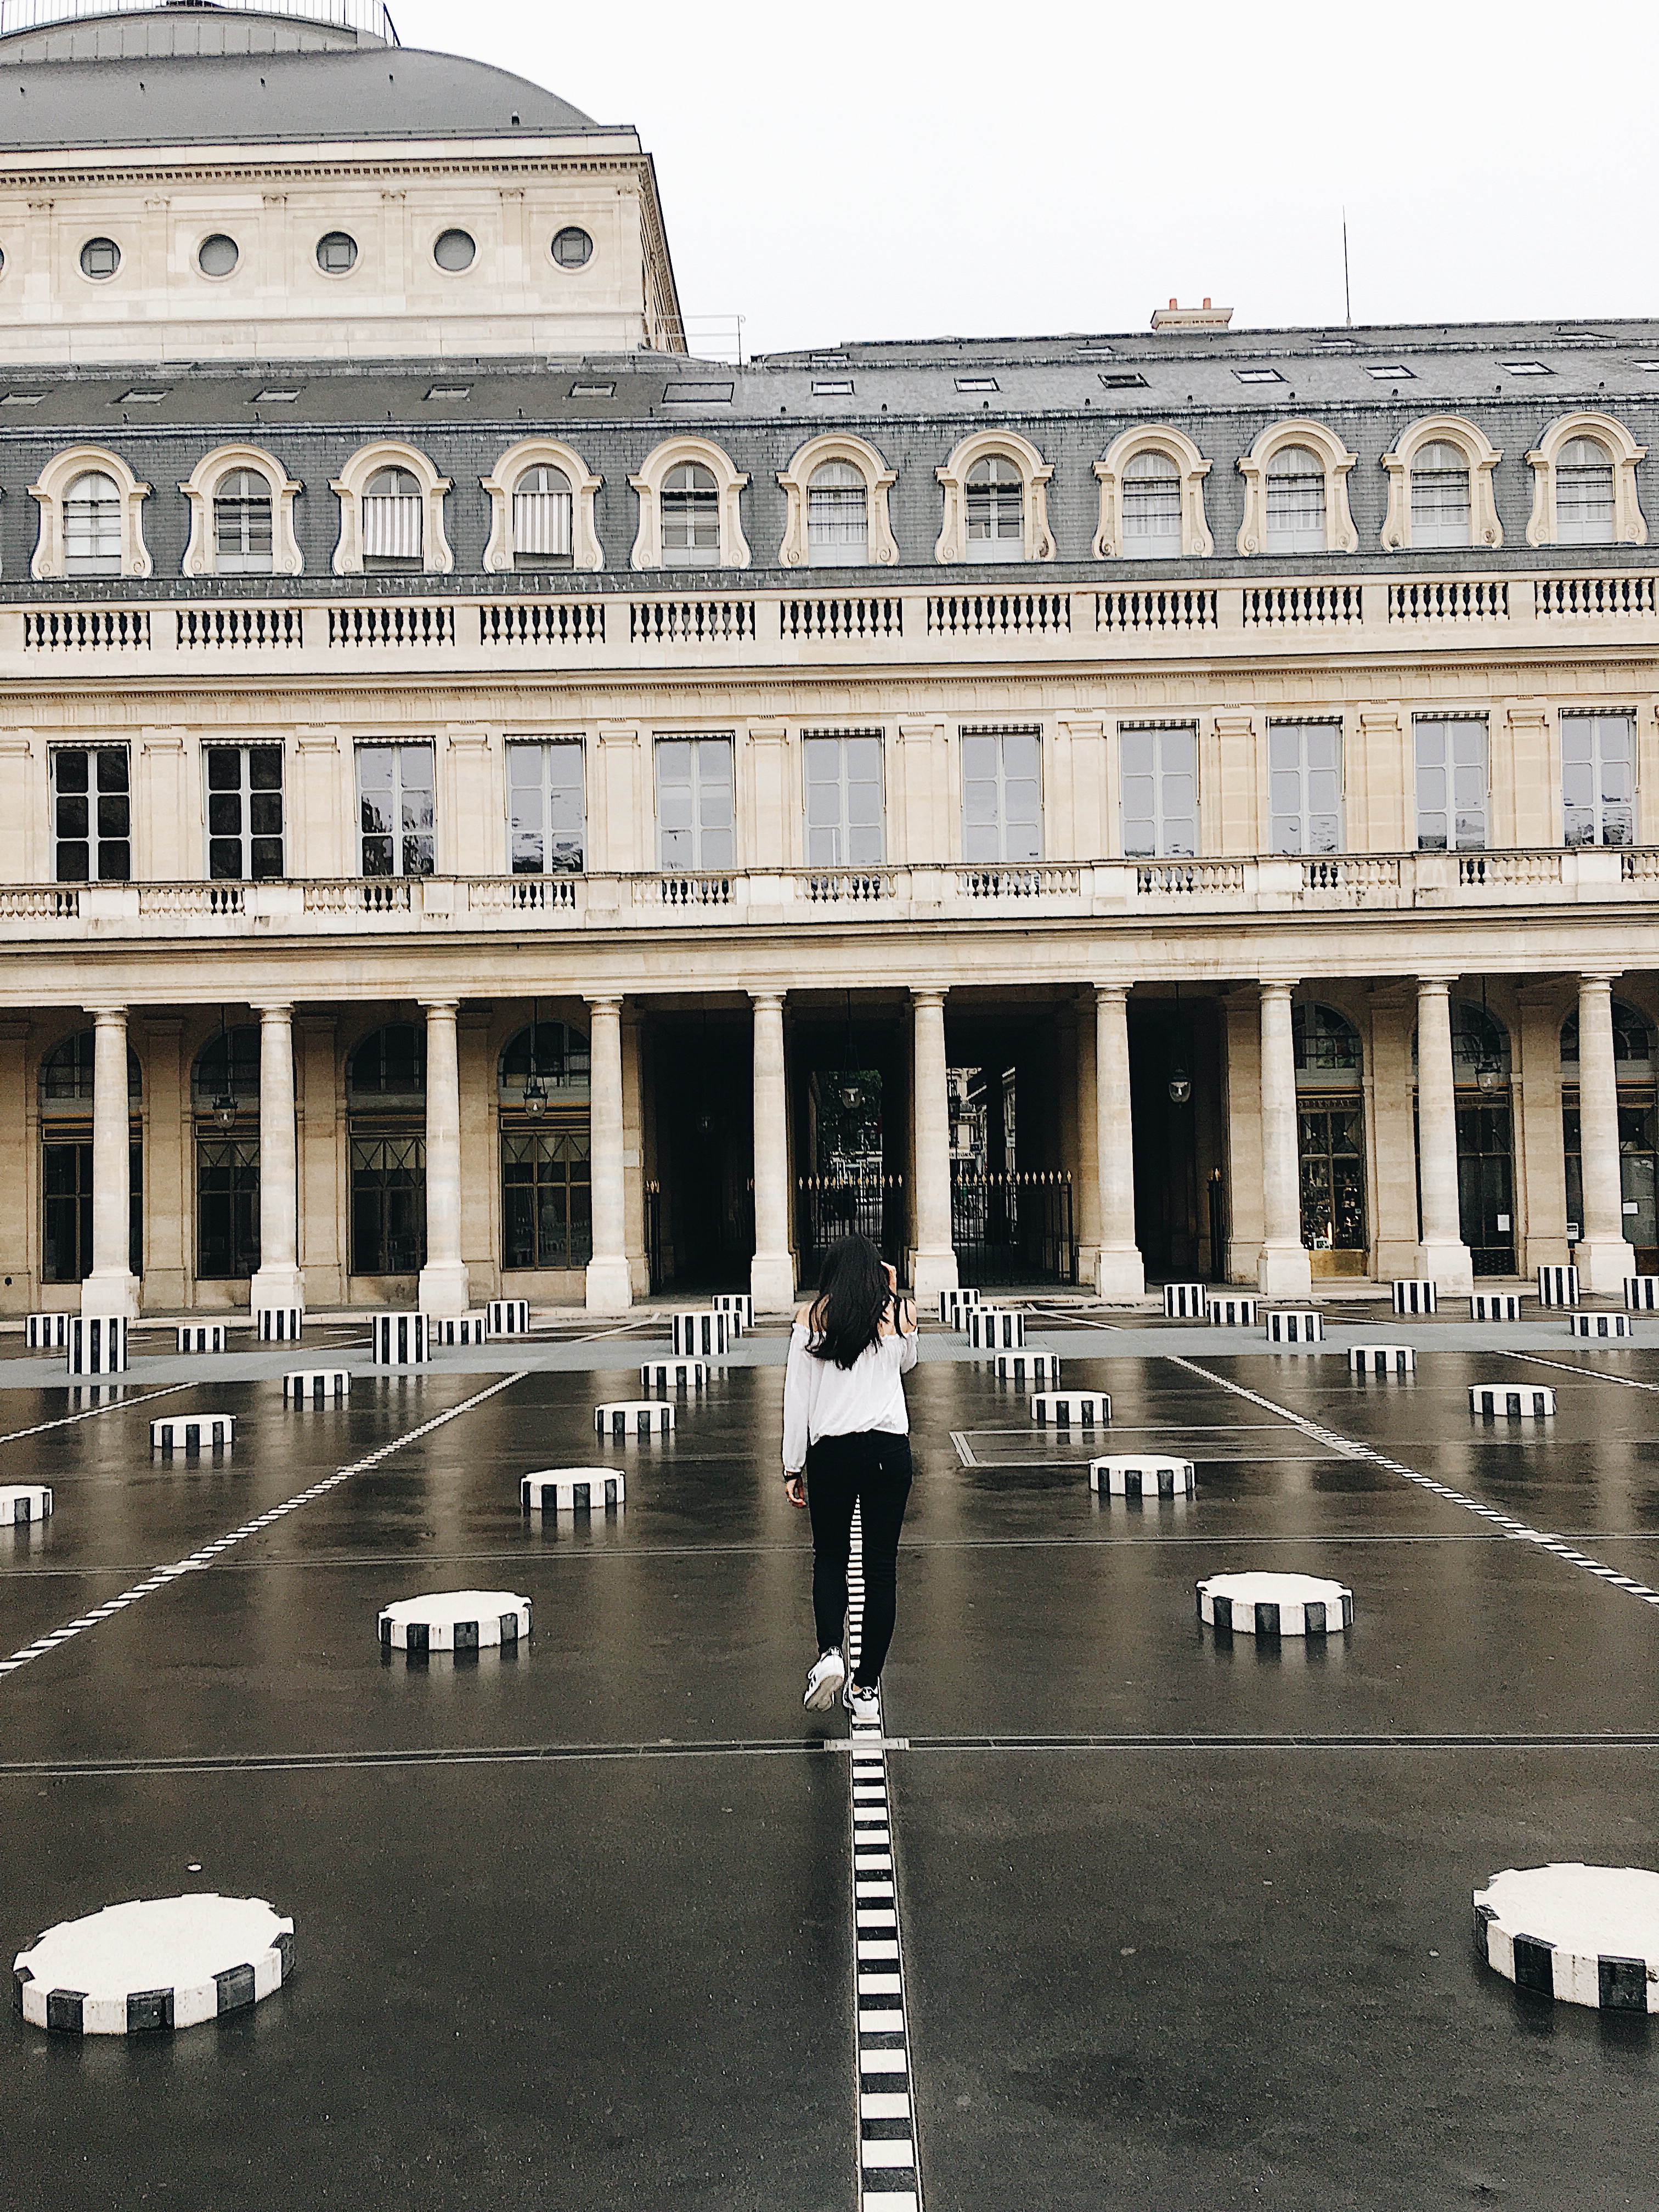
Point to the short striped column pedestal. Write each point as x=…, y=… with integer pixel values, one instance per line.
x=1185, y=1301
x=1641, y=1293
x=1415, y=1295
x=991, y=1329
x=158, y=1963
x=1495, y=1305
x=955, y=1306
x=1580, y=1935
x=1228, y=1312
x=316, y=1386
x=1296, y=1325
x=1600, y=1324
x=1381, y=1359
x=1511, y=1402
x=201, y=1336
x=279, y=1324
x=461, y=1621
x=1037, y=1370
x=443, y=1329
x=399, y=1339
x=573, y=1490
x=635, y=1417
x=191, y=1433
x=1067, y=1409
x=97, y=1344
x=674, y=1375
x=738, y=1307
x=1558, y=1286
x=1143, y=1477
x=47, y=1332
x=23, y=1502
x=1274, y=1604
x=508, y=1316
x=699, y=1336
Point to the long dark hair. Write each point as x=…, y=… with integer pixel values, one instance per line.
x=851, y=1302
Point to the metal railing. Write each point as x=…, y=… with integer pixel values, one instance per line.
x=370, y=15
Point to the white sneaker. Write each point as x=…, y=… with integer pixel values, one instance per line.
x=825, y=1678
x=864, y=1702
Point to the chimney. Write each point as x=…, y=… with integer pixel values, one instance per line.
x=1176, y=318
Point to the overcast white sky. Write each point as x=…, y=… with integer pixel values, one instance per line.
x=900, y=170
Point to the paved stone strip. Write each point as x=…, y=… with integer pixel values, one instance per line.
x=161, y=1576
x=890, y=2172
x=93, y=1412
x=1521, y=1531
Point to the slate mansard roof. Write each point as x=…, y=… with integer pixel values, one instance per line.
x=1067, y=395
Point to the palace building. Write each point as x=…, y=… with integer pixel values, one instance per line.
x=496, y=805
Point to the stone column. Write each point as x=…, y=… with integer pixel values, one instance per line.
x=933, y=1259
x=609, y=1289
x=443, y=1287
x=278, y=1282
x=772, y=1270
x=111, y=1287
x=1119, y=1272
x=1083, y=1126
x=1441, y=1251
x=1282, y=1267
x=1603, y=1255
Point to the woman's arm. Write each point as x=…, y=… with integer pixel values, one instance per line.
x=796, y=1401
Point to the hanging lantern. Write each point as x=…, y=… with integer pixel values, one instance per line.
x=1488, y=1076
x=224, y=1110
x=852, y=1096
x=535, y=1097
x=1181, y=1086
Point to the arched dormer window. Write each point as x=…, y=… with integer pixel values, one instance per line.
x=391, y=513
x=1439, y=474
x=996, y=500
x=542, y=496
x=91, y=517
x=1151, y=497
x=1583, y=486
x=834, y=485
x=680, y=526
x=1295, y=492
x=241, y=515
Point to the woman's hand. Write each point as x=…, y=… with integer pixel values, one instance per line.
x=891, y=1273
x=794, y=1489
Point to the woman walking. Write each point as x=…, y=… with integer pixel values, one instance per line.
x=847, y=1443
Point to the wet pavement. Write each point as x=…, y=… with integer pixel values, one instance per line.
x=1186, y=1920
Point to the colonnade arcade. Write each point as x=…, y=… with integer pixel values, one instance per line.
x=1287, y=1133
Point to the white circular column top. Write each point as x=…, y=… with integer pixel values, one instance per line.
x=444, y=1620
x=179, y=1959
x=1288, y=1596
x=1587, y=1935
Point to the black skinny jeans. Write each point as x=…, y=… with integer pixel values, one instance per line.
x=871, y=1468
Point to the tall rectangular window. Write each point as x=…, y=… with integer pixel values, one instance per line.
x=547, y=1213
x=1598, y=779
x=91, y=814
x=695, y=813
x=546, y=821
x=1001, y=795
x=1451, y=782
x=67, y=1201
x=244, y=812
x=844, y=813
x=227, y=1207
x=396, y=809
x=1160, y=791
x=1304, y=786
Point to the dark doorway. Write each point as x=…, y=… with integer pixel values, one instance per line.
x=701, y=1077
x=1012, y=1202
x=849, y=1086
x=1176, y=1146
x=1486, y=1184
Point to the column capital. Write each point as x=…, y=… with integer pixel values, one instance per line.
x=607, y=1002
x=1598, y=979
x=1106, y=993
x=1435, y=987
x=1276, y=987
x=274, y=1010
x=759, y=999
x=439, y=1006
x=928, y=994
x=103, y=1016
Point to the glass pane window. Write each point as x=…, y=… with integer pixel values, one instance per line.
x=1001, y=795
x=696, y=813
x=91, y=814
x=547, y=1215
x=1333, y=1178
x=392, y=515
x=1304, y=783
x=837, y=516
x=690, y=517
x=66, y=1210
x=1584, y=494
x=396, y=809
x=242, y=525
x=996, y=510
x=1440, y=495
x=388, y=1205
x=244, y=812
x=1296, y=501
x=845, y=825
x=1451, y=783
x=543, y=508
x=1160, y=792
x=1151, y=508
x=92, y=526
x=1598, y=779
x=546, y=821
x=227, y=1207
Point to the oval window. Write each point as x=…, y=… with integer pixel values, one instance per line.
x=572, y=248
x=336, y=252
x=100, y=257
x=218, y=255
x=454, y=250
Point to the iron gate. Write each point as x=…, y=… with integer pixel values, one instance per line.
x=832, y=1206
x=1013, y=1228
